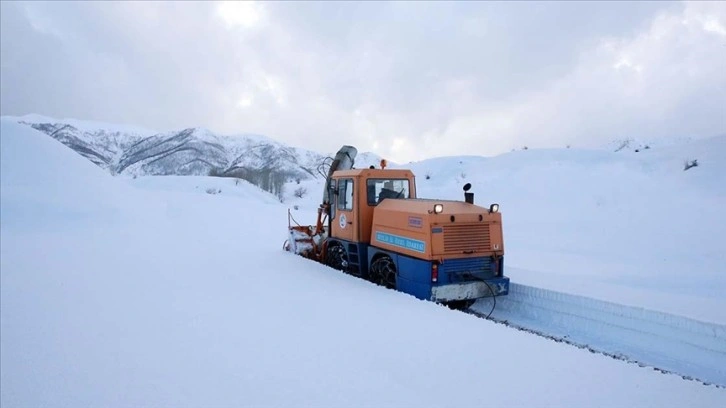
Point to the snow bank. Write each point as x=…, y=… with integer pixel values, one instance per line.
x=223, y=186
x=43, y=181
x=685, y=346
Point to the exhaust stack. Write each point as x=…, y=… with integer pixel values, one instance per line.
x=468, y=197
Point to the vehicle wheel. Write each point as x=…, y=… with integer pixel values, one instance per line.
x=383, y=272
x=337, y=258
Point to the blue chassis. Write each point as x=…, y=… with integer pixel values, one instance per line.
x=414, y=275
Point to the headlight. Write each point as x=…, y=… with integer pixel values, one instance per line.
x=438, y=208
x=493, y=208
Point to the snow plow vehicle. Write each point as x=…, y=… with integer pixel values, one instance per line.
x=372, y=225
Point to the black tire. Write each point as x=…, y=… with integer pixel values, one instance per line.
x=337, y=258
x=383, y=272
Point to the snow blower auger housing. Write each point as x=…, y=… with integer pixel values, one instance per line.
x=370, y=224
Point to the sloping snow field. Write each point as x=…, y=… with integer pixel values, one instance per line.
x=155, y=292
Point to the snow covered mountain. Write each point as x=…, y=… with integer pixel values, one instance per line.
x=194, y=151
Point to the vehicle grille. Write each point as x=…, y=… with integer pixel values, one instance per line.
x=467, y=238
x=467, y=269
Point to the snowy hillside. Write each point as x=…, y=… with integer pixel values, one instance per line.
x=174, y=291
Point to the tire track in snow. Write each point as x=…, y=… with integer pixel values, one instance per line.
x=667, y=343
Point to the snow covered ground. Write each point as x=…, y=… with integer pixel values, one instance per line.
x=170, y=292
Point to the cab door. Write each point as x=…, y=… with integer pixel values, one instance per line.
x=345, y=221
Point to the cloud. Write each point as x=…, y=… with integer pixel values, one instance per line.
x=410, y=80
x=246, y=14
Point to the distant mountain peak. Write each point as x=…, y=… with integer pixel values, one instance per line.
x=135, y=151
x=85, y=125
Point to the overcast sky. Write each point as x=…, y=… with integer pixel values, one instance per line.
x=406, y=80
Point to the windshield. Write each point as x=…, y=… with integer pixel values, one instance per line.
x=379, y=189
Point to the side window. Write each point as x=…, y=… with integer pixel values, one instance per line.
x=331, y=192
x=345, y=194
